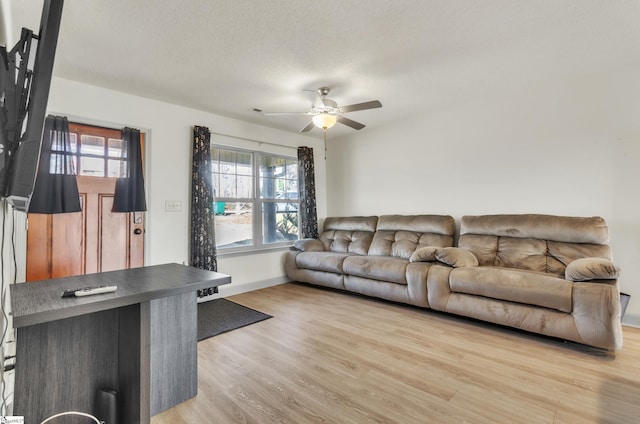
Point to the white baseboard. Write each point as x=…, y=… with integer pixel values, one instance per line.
x=631, y=320
x=232, y=289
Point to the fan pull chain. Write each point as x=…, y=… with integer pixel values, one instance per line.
x=324, y=131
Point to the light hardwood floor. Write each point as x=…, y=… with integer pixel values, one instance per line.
x=332, y=357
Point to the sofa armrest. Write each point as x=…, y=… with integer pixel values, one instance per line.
x=585, y=269
x=424, y=254
x=308, y=245
x=452, y=256
x=456, y=257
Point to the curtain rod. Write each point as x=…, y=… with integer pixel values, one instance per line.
x=255, y=141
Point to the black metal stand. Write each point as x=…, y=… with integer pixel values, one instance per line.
x=24, y=93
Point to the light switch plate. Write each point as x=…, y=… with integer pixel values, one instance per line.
x=173, y=206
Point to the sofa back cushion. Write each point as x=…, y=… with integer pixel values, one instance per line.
x=348, y=234
x=401, y=235
x=543, y=243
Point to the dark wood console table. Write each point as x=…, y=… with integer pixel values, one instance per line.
x=140, y=340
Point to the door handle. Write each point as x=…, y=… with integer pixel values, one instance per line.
x=137, y=231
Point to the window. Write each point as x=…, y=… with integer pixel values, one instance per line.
x=97, y=151
x=256, y=199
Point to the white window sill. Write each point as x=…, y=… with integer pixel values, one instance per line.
x=257, y=251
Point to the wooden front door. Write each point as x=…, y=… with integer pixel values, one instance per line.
x=95, y=239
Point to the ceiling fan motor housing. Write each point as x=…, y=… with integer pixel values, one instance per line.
x=323, y=91
x=326, y=114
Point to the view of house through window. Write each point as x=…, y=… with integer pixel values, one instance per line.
x=256, y=198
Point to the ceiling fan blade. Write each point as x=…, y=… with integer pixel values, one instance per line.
x=329, y=102
x=286, y=113
x=350, y=123
x=361, y=106
x=308, y=127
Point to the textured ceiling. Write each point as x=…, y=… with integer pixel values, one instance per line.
x=230, y=56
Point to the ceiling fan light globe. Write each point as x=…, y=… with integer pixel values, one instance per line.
x=324, y=120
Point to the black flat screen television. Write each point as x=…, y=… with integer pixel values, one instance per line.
x=25, y=80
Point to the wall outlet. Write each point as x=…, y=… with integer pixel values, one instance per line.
x=173, y=206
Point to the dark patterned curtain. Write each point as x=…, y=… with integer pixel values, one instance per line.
x=307, y=188
x=129, y=195
x=56, y=188
x=203, y=242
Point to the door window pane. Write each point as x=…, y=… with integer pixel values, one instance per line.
x=73, y=138
x=60, y=164
x=116, y=148
x=91, y=145
x=117, y=168
x=91, y=166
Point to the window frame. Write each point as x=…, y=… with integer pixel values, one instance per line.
x=257, y=201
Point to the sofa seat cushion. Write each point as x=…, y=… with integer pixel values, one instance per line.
x=526, y=287
x=322, y=261
x=384, y=268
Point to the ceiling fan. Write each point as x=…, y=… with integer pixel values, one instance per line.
x=327, y=113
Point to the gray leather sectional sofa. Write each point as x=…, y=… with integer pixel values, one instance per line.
x=551, y=275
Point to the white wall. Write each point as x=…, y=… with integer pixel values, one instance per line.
x=568, y=147
x=168, y=166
